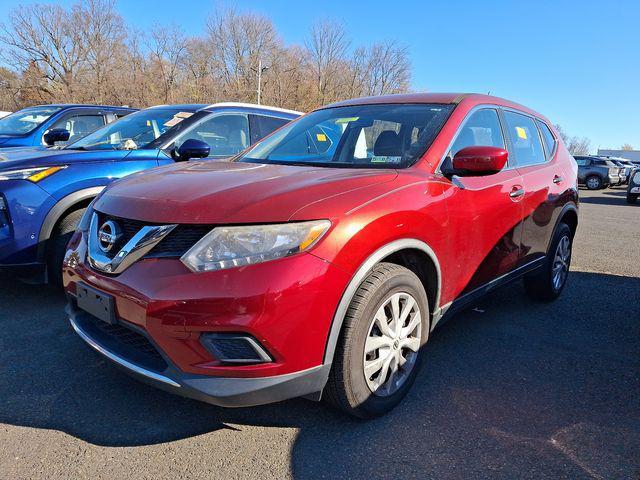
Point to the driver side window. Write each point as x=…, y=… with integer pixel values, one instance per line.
x=481, y=129
x=227, y=135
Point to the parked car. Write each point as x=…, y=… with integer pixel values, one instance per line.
x=317, y=262
x=44, y=193
x=48, y=125
x=596, y=173
x=624, y=170
x=633, y=190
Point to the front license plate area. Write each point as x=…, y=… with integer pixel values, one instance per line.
x=96, y=303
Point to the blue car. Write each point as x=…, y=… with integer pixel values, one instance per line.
x=44, y=193
x=48, y=125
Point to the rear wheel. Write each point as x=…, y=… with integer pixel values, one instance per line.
x=632, y=197
x=546, y=284
x=58, y=244
x=379, y=351
x=594, y=182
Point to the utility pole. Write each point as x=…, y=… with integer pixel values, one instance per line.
x=260, y=70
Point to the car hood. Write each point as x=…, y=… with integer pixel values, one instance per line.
x=229, y=192
x=12, y=159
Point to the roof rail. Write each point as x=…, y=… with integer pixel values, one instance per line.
x=253, y=105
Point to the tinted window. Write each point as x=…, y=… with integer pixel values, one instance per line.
x=525, y=139
x=25, y=120
x=383, y=136
x=482, y=128
x=227, y=135
x=582, y=162
x=548, y=138
x=261, y=126
x=80, y=125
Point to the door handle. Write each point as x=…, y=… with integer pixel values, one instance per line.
x=517, y=192
x=557, y=179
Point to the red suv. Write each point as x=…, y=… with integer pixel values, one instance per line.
x=318, y=262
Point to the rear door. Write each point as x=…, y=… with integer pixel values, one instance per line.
x=486, y=211
x=263, y=125
x=543, y=177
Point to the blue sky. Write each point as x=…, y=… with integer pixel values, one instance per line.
x=577, y=62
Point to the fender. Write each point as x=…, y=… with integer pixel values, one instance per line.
x=570, y=206
x=56, y=212
x=358, y=278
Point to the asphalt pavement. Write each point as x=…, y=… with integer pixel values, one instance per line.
x=511, y=389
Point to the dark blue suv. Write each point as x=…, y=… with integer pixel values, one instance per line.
x=43, y=193
x=46, y=125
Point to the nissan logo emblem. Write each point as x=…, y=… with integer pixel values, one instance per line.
x=108, y=235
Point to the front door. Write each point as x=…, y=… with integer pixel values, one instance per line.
x=486, y=211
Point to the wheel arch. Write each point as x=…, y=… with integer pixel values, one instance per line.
x=59, y=210
x=406, y=252
x=568, y=215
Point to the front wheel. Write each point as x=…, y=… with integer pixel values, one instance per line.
x=546, y=284
x=58, y=244
x=380, y=348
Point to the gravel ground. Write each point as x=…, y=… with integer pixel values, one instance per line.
x=512, y=389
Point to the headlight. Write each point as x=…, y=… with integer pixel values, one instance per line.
x=31, y=174
x=227, y=247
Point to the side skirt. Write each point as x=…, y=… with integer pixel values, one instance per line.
x=468, y=299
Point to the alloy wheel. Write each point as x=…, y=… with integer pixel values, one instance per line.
x=593, y=183
x=561, y=260
x=392, y=344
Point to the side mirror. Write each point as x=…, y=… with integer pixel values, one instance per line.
x=192, y=148
x=56, y=135
x=479, y=161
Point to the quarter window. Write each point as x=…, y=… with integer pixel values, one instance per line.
x=482, y=129
x=524, y=136
x=548, y=138
x=225, y=134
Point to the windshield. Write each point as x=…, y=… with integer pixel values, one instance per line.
x=368, y=136
x=25, y=120
x=134, y=131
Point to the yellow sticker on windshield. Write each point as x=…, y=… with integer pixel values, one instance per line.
x=321, y=137
x=346, y=120
x=148, y=123
x=522, y=133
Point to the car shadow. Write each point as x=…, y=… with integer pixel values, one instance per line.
x=509, y=387
x=609, y=197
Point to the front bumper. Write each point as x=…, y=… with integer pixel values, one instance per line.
x=221, y=391
x=27, y=206
x=287, y=305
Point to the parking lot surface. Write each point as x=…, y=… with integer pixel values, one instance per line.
x=511, y=389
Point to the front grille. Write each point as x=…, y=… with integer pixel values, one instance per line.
x=175, y=244
x=124, y=341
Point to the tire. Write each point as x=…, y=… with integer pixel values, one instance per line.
x=58, y=244
x=632, y=198
x=348, y=388
x=542, y=285
x=593, y=182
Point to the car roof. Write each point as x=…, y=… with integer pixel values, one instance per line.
x=193, y=107
x=441, y=98
x=252, y=106
x=76, y=105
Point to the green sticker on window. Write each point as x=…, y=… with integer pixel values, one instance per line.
x=385, y=159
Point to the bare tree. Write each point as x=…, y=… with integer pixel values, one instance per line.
x=626, y=146
x=575, y=145
x=238, y=41
x=327, y=50
x=166, y=47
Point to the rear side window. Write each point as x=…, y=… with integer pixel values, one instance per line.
x=582, y=162
x=482, y=129
x=525, y=139
x=261, y=126
x=548, y=138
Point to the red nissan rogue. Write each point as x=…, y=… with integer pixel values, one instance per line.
x=318, y=262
